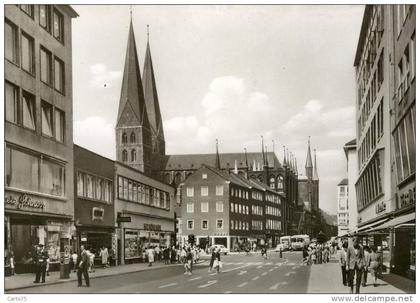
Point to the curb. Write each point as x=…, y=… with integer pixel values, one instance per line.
x=90, y=278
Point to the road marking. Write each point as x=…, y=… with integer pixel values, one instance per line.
x=255, y=278
x=235, y=268
x=274, y=287
x=243, y=284
x=213, y=274
x=208, y=284
x=168, y=285
x=242, y=272
x=264, y=273
x=197, y=278
x=258, y=267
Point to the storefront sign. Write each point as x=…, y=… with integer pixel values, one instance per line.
x=408, y=197
x=155, y=227
x=83, y=237
x=380, y=207
x=24, y=201
x=97, y=214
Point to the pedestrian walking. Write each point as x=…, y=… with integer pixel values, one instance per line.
x=74, y=258
x=255, y=247
x=111, y=255
x=104, y=256
x=343, y=263
x=305, y=255
x=366, y=254
x=380, y=261
x=212, y=258
x=83, y=261
x=151, y=255
x=217, y=264
x=189, y=261
x=355, y=265
x=41, y=257
x=264, y=252
x=91, y=256
x=374, y=265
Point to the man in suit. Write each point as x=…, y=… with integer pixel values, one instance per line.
x=40, y=259
x=343, y=262
x=355, y=264
x=82, y=267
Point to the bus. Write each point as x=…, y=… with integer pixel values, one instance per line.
x=299, y=241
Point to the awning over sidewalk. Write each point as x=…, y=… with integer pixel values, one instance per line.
x=397, y=222
x=371, y=225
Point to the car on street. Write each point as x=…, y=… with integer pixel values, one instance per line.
x=223, y=249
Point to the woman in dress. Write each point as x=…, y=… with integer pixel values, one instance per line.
x=374, y=265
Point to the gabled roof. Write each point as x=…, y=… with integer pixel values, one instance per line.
x=343, y=182
x=151, y=96
x=224, y=175
x=132, y=106
x=194, y=161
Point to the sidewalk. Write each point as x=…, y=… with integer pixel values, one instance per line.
x=20, y=281
x=326, y=278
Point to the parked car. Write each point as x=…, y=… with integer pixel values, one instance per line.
x=223, y=249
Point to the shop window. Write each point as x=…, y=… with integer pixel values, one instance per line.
x=46, y=65
x=11, y=42
x=12, y=102
x=219, y=190
x=47, y=119
x=28, y=58
x=45, y=16
x=58, y=25
x=219, y=223
x=219, y=206
x=59, y=75
x=28, y=113
x=59, y=125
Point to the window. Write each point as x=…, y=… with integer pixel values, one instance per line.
x=12, y=102
x=190, y=224
x=380, y=122
x=27, y=43
x=133, y=138
x=381, y=69
x=204, y=191
x=28, y=115
x=204, y=176
x=28, y=9
x=89, y=186
x=190, y=191
x=219, y=206
x=133, y=155
x=413, y=56
x=219, y=224
x=204, y=224
x=219, y=190
x=59, y=125
x=204, y=207
x=58, y=26
x=80, y=184
x=34, y=173
x=190, y=207
x=59, y=75
x=124, y=156
x=124, y=138
x=45, y=16
x=46, y=66
x=47, y=119
x=11, y=42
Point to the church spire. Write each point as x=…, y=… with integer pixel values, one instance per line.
x=284, y=156
x=246, y=158
x=132, y=98
x=262, y=151
x=308, y=165
x=315, y=168
x=152, y=101
x=217, y=155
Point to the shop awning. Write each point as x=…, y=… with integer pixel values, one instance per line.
x=370, y=226
x=399, y=221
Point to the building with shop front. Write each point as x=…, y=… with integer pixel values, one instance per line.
x=343, y=208
x=352, y=173
x=226, y=208
x=38, y=129
x=385, y=75
x=93, y=201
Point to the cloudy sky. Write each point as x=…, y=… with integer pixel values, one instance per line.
x=227, y=72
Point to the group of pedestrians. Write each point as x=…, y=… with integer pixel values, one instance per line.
x=358, y=261
x=215, y=262
x=316, y=254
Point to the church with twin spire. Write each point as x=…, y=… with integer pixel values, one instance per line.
x=140, y=144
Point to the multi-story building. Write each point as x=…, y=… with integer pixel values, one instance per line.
x=144, y=206
x=403, y=130
x=385, y=73
x=343, y=207
x=39, y=205
x=93, y=201
x=352, y=172
x=228, y=209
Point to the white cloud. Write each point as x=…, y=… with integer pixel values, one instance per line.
x=100, y=76
x=96, y=134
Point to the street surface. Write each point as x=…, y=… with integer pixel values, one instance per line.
x=240, y=274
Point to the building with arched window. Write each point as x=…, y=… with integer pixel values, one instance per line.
x=133, y=155
x=124, y=156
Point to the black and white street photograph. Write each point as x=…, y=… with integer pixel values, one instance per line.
x=202, y=148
